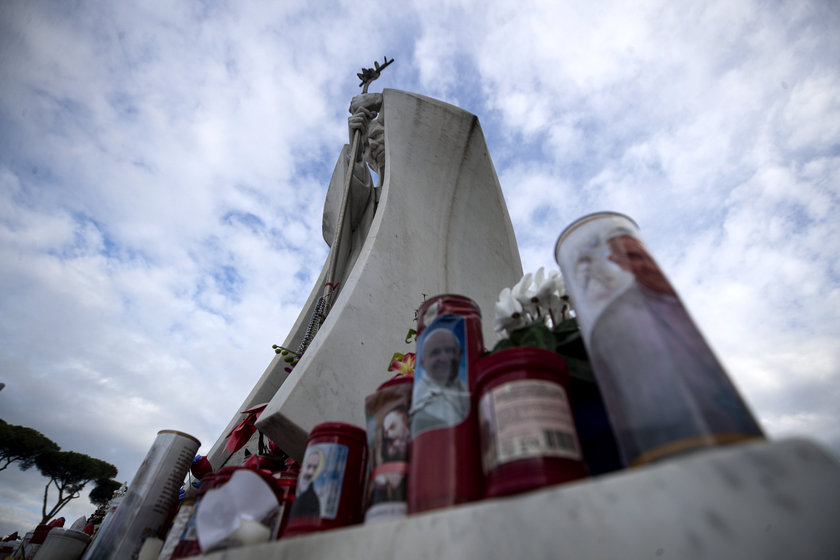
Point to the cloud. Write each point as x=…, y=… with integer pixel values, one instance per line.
x=163, y=171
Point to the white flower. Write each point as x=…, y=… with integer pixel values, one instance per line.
x=559, y=283
x=548, y=292
x=544, y=287
x=534, y=296
x=560, y=307
x=523, y=294
x=508, y=313
x=556, y=308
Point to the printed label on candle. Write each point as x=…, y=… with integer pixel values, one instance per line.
x=528, y=418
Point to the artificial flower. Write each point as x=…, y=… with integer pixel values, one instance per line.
x=239, y=436
x=403, y=364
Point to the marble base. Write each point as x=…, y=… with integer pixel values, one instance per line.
x=769, y=500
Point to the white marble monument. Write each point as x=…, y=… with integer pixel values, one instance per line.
x=437, y=224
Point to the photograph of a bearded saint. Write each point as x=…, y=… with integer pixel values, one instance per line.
x=389, y=485
x=307, y=503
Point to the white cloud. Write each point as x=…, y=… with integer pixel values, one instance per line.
x=163, y=171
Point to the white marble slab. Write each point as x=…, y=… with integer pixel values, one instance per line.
x=767, y=500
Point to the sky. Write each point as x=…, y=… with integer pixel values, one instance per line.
x=163, y=169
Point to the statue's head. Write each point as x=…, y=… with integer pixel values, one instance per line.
x=375, y=146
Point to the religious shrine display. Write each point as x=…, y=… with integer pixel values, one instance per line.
x=612, y=374
x=467, y=424
x=665, y=391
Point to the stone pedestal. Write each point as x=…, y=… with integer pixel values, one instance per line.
x=769, y=500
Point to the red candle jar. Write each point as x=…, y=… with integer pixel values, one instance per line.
x=331, y=483
x=188, y=545
x=389, y=441
x=528, y=435
x=445, y=465
x=286, y=484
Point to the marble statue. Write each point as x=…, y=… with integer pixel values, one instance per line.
x=435, y=221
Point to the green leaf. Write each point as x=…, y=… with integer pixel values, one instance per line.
x=567, y=327
x=569, y=341
x=503, y=344
x=565, y=339
x=536, y=335
x=395, y=358
x=411, y=332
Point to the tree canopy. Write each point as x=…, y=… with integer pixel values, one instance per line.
x=103, y=491
x=22, y=445
x=69, y=472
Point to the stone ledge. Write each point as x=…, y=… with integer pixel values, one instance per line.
x=761, y=500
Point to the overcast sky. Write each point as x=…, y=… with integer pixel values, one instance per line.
x=163, y=168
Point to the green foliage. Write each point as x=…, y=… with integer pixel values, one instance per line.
x=565, y=339
x=100, y=513
x=569, y=344
x=290, y=356
x=412, y=333
x=69, y=472
x=396, y=357
x=534, y=334
x=22, y=445
x=104, y=491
